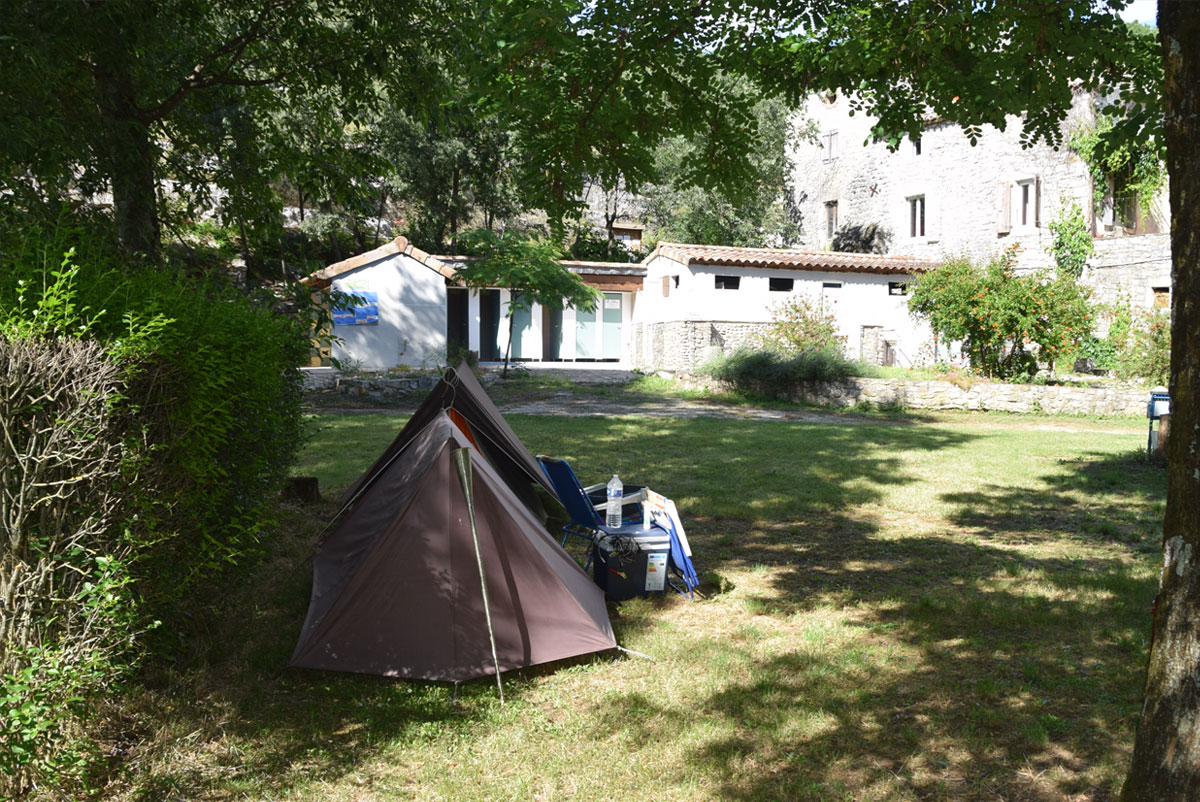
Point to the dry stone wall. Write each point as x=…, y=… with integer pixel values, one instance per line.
x=939, y=394
x=684, y=345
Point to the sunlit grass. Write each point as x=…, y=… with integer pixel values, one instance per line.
x=956, y=609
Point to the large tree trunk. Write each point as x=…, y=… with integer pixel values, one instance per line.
x=1166, y=754
x=130, y=154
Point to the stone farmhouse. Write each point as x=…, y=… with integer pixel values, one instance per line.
x=671, y=312
x=939, y=196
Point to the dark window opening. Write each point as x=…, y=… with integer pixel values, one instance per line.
x=831, y=285
x=782, y=284
x=897, y=288
x=727, y=282
x=917, y=146
x=830, y=218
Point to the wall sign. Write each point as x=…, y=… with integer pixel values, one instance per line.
x=366, y=307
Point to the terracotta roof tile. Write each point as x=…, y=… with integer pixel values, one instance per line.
x=322, y=278
x=789, y=259
x=444, y=265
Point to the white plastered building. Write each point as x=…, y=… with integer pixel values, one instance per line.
x=698, y=300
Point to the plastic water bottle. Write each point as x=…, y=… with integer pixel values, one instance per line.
x=613, y=512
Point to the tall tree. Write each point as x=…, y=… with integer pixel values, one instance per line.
x=759, y=216
x=119, y=95
x=589, y=90
x=1166, y=754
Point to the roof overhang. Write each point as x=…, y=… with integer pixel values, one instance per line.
x=789, y=259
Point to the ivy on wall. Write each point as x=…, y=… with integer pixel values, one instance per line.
x=1137, y=169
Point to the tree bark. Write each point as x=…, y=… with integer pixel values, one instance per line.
x=1166, y=753
x=130, y=154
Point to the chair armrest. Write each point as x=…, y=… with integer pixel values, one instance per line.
x=631, y=498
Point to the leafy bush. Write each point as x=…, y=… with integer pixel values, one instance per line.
x=1148, y=354
x=1138, y=345
x=1072, y=244
x=774, y=373
x=998, y=315
x=800, y=324
x=155, y=454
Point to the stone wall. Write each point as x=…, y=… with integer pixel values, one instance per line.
x=1126, y=269
x=939, y=394
x=372, y=388
x=684, y=345
x=972, y=191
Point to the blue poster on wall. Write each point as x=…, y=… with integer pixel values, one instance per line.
x=364, y=313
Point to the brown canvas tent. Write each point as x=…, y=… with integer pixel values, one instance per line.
x=460, y=395
x=396, y=586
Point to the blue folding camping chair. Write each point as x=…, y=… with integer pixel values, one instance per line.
x=586, y=520
x=587, y=523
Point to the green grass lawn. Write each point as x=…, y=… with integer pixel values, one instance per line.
x=956, y=609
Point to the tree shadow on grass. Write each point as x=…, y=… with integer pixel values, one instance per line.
x=264, y=730
x=992, y=666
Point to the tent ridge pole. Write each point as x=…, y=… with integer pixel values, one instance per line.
x=462, y=466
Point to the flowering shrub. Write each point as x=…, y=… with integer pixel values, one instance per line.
x=799, y=324
x=1003, y=320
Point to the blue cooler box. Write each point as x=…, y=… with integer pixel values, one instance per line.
x=631, y=562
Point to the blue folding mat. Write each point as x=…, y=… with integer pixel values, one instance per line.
x=587, y=523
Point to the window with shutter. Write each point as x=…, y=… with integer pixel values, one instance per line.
x=666, y=286
x=829, y=143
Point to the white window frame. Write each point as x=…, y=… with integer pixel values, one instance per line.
x=831, y=218
x=917, y=227
x=1025, y=204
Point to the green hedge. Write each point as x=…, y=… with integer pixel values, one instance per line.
x=773, y=373
x=206, y=409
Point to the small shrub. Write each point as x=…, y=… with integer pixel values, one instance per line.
x=1147, y=351
x=1137, y=346
x=800, y=324
x=774, y=373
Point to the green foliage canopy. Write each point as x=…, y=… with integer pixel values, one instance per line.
x=762, y=215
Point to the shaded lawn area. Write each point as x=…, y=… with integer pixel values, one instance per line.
x=898, y=612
